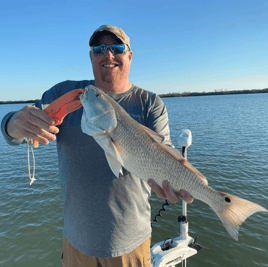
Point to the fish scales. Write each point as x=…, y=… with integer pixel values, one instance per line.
x=131, y=145
x=153, y=161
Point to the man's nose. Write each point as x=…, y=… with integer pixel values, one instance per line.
x=109, y=53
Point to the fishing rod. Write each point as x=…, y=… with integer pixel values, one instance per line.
x=173, y=251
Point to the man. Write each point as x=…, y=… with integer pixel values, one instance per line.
x=106, y=219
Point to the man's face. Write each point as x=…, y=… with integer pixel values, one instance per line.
x=110, y=68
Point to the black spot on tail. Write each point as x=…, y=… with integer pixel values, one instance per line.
x=227, y=199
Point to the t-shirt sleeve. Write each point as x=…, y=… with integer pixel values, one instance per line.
x=158, y=120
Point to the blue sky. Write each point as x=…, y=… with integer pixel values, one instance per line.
x=178, y=46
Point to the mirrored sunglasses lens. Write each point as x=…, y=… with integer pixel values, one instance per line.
x=99, y=50
x=118, y=49
x=115, y=49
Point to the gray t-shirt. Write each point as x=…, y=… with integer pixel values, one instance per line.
x=104, y=216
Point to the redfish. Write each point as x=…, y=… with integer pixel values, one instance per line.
x=134, y=147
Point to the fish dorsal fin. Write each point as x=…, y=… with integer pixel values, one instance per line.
x=156, y=136
x=177, y=155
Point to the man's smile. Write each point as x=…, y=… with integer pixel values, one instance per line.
x=110, y=65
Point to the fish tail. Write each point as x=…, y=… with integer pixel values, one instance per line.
x=236, y=211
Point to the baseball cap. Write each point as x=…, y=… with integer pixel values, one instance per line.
x=118, y=32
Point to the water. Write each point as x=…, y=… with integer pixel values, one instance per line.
x=230, y=147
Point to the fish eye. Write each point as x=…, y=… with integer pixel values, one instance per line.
x=227, y=199
x=98, y=95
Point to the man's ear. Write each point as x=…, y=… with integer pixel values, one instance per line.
x=130, y=55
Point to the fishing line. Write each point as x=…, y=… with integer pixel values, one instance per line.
x=30, y=145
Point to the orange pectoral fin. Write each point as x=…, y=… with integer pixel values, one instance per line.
x=62, y=106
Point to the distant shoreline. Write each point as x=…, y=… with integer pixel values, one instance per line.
x=185, y=94
x=18, y=101
x=216, y=92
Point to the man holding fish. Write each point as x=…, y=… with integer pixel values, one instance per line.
x=106, y=218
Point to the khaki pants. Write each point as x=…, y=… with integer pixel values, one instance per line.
x=139, y=257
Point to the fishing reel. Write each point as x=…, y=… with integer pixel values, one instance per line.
x=173, y=251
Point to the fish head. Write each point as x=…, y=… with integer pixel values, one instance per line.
x=98, y=115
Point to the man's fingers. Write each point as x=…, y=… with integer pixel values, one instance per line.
x=31, y=122
x=157, y=189
x=39, y=127
x=36, y=112
x=40, y=119
x=38, y=138
x=185, y=196
x=169, y=192
x=39, y=133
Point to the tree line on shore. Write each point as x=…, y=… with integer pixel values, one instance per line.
x=184, y=94
x=18, y=101
x=216, y=92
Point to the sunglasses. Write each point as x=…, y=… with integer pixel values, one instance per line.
x=115, y=49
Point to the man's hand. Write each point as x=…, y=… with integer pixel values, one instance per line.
x=32, y=122
x=168, y=193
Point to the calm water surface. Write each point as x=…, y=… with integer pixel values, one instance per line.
x=230, y=147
